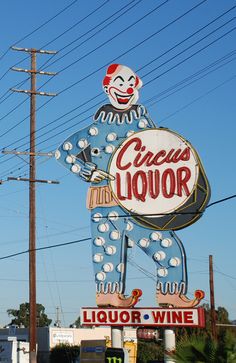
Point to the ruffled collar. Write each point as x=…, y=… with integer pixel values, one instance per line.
x=107, y=113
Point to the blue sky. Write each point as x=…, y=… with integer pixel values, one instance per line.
x=189, y=87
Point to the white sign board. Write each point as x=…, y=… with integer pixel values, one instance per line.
x=155, y=172
x=62, y=337
x=143, y=317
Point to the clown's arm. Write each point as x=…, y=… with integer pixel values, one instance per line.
x=75, y=154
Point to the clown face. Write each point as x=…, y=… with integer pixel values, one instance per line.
x=121, y=85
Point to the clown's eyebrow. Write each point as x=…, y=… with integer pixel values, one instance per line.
x=120, y=78
x=131, y=78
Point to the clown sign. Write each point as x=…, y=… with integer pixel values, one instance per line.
x=146, y=182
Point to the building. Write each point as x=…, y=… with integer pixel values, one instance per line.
x=49, y=337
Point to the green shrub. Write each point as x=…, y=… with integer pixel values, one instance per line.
x=64, y=353
x=148, y=351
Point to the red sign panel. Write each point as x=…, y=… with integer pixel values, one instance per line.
x=194, y=317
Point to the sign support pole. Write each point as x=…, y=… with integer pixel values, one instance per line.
x=117, y=337
x=169, y=341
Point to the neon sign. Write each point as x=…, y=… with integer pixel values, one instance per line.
x=145, y=183
x=194, y=317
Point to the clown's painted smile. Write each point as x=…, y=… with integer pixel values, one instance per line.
x=123, y=99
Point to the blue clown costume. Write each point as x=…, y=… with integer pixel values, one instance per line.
x=113, y=229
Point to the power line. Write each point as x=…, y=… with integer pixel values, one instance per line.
x=82, y=105
x=189, y=37
x=45, y=248
x=191, y=45
x=39, y=27
x=135, y=46
x=172, y=22
x=191, y=56
x=34, y=31
x=19, y=84
x=96, y=96
x=62, y=48
x=89, y=238
x=143, y=76
x=193, y=101
x=142, y=67
x=45, y=23
x=221, y=200
x=7, y=172
x=94, y=28
x=115, y=36
x=123, y=53
x=211, y=90
x=77, y=23
x=69, y=127
x=176, y=89
x=59, y=36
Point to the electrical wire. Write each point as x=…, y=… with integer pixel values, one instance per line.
x=171, y=68
x=76, y=24
x=131, y=7
x=85, y=239
x=189, y=57
x=34, y=31
x=90, y=30
x=19, y=84
x=45, y=248
x=172, y=22
x=113, y=38
x=151, y=104
x=59, y=36
x=145, y=74
x=135, y=46
x=161, y=121
x=45, y=23
x=190, y=46
x=89, y=53
x=144, y=16
x=193, y=101
x=158, y=67
x=189, y=37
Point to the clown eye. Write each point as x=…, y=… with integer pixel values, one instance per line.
x=121, y=84
x=131, y=85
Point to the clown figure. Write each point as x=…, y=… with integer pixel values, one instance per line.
x=88, y=154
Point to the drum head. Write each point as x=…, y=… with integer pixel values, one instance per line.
x=159, y=179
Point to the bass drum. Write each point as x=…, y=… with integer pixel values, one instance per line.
x=159, y=156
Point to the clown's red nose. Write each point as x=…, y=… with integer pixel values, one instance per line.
x=130, y=90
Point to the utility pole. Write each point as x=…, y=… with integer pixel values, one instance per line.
x=32, y=185
x=212, y=299
x=58, y=321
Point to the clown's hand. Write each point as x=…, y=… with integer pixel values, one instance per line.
x=99, y=175
x=90, y=173
x=87, y=171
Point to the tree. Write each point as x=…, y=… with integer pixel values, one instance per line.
x=148, y=351
x=77, y=324
x=198, y=346
x=21, y=316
